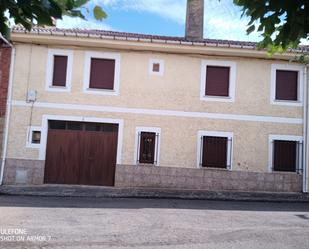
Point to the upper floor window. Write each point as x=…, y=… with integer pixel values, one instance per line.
x=156, y=67
x=218, y=79
x=286, y=84
x=101, y=74
x=59, y=70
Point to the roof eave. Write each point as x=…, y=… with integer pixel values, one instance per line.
x=145, y=45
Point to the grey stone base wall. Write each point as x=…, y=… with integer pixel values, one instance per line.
x=20, y=171
x=205, y=179
x=31, y=172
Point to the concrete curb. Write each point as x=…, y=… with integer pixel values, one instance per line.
x=113, y=192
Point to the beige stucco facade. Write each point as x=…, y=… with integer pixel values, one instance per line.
x=178, y=89
x=170, y=102
x=178, y=136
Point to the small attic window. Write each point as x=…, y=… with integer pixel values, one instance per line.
x=156, y=67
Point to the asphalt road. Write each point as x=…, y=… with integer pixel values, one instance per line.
x=47, y=222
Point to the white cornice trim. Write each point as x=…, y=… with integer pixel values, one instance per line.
x=156, y=112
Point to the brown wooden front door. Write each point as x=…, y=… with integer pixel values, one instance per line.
x=81, y=153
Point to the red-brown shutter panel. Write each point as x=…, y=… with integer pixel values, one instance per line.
x=217, y=81
x=60, y=70
x=285, y=155
x=102, y=74
x=214, y=152
x=286, y=85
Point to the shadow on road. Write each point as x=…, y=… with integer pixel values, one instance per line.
x=131, y=203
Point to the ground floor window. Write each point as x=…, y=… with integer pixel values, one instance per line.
x=286, y=153
x=34, y=137
x=215, y=149
x=147, y=145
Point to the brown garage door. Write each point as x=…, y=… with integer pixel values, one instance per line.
x=81, y=153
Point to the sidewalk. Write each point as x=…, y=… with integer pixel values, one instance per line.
x=108, y=192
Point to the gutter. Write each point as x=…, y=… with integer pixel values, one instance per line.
x=306, y=130
x=146, y=45
x=7, y=116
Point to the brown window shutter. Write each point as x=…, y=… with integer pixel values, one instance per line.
x=60, y=70
x=147, y=147
x=214, y=152
x=102, y=74
x=286, y=85
x=217, y=81
x=284, y=155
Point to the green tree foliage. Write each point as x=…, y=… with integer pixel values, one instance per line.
x=282, y=23
x=41, y=12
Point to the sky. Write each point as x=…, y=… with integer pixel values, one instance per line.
x=222, y=19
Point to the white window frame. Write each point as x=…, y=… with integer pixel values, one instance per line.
x=50, y=70
x=232, y=81
x=271, y=139
x=157, y=145
x=29, y=143
x=44, y=133
x=228, y=135
x=300, y=84
x=101, y=55
x=161, y=69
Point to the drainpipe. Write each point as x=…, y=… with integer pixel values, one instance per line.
x=306, y=129
x=8, y=114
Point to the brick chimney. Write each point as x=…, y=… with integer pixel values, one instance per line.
x=195, y=20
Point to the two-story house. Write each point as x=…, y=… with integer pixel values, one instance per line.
x=120, y=109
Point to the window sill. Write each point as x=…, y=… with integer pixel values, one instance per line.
x=156, y=73
x=285, y=172
x=217, y=98
x=147, y=164
x=58, y=89
x=286, y=102
x=101, y=91
x=33, y=146
x=213, y=168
